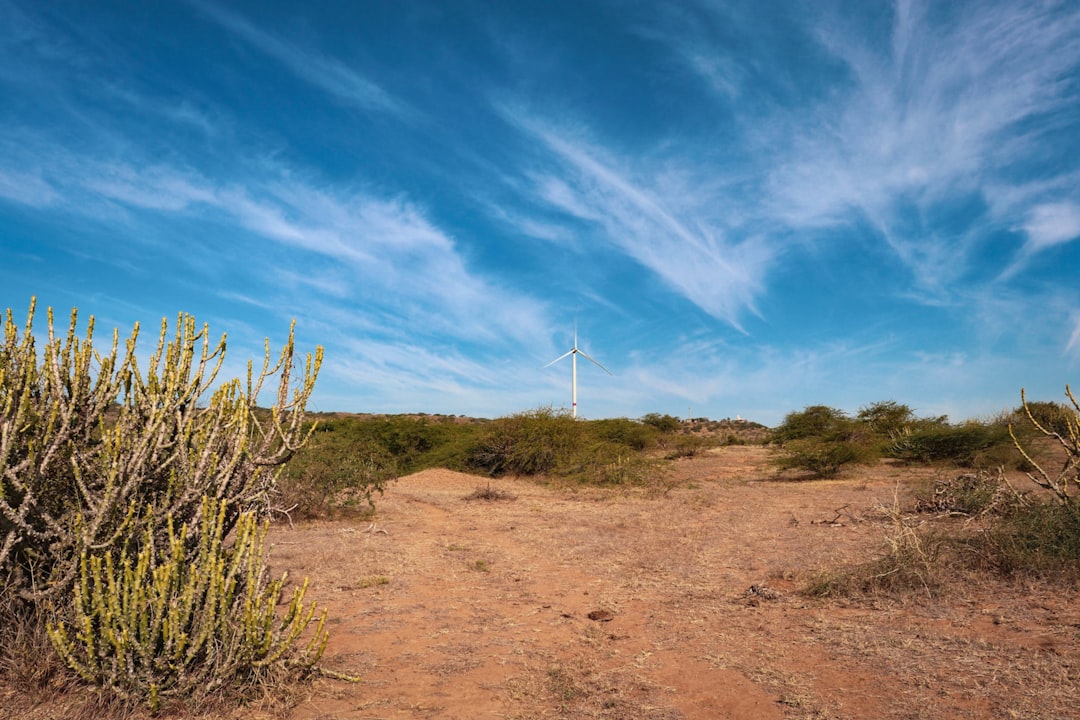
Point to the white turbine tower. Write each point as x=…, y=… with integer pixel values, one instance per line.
x=573, y=353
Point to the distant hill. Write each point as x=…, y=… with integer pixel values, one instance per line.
x=740, y=430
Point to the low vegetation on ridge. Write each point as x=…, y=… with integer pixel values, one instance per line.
x=350, y=458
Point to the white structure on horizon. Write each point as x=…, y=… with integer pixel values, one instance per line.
x=573, y=353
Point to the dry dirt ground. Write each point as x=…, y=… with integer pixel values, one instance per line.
x=653, y=604
x=662, y=605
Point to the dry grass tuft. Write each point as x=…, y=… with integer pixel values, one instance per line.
x=27, y=660
x=489, y=494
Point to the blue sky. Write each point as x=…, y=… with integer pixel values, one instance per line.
x=746, y=207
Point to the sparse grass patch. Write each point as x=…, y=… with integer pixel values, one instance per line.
x=686, y=446
x=490, y=494
x=1004, y=531
x=27, y=660
x=579, y=690
x=561, y=684
x=915, y=558
x=968, y=494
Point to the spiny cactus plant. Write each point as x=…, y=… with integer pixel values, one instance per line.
x=90, y=434
x=161, y=621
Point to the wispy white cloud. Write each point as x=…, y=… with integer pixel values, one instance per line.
x=328, y=74
x=1073, y=346
x=25, y=188
x=667, y=235
x=184, y=112
x=927, y=124
x=150, y=188
x=396, y=251
x=532, y=227
x=938, y=119
x=1052, y=224
x=1046, y=226
x=722, y=73
x=387, y=376
x=384, y=254
x=956, y=101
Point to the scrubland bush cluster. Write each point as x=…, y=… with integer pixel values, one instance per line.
x=349, y=460
x=132, y=506
x=980, y=520
x=822, y=440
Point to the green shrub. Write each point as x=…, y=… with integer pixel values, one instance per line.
x=627, y=433
x=662, y=423
x=350, y=459
x=334, y=473
x=416, y=443
x=528, y=443
x=160, y=620
x=408, y=443
x=815, y=421
x=1055, y=418
x=1040, y=538
x=972, y=444
x=553, y=444
x=607, y=463
x=887, y=419
x=822, y=440
x=822, y=458
x=684, y=446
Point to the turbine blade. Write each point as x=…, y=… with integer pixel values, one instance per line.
x=565, y=354
x=582, y=354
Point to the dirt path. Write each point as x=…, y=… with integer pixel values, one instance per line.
x=450, y=608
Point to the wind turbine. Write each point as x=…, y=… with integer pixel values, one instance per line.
x=573, y=353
